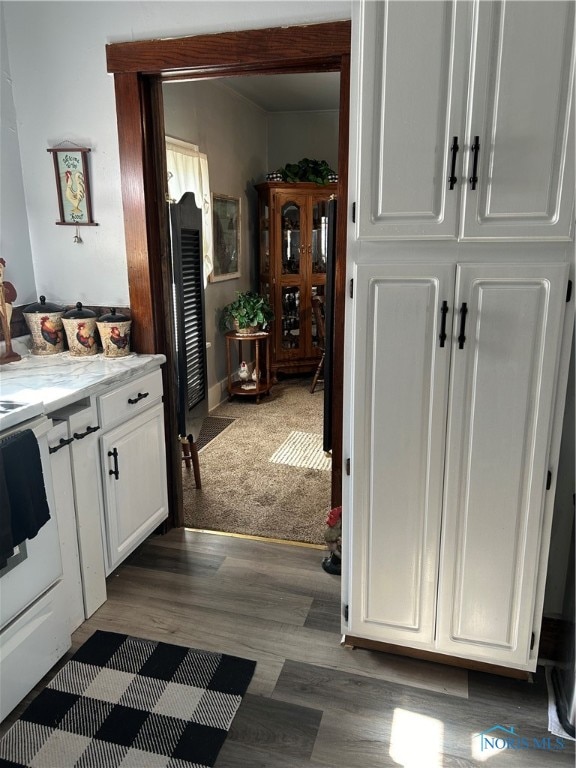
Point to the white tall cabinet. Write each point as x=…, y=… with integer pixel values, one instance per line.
x=458, y=324
x=459, y=369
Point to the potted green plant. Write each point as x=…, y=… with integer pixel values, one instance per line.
x=247, y=313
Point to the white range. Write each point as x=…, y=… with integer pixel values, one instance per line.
x=35, y=630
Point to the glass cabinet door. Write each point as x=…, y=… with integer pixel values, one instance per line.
x=264, y=238
x=317, y=338
x=319, y=244
x=291, y=225
x=290, y=321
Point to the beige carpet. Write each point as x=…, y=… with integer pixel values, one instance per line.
x=243, y=490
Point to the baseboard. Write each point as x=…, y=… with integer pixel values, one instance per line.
x=217, y=394
x=440, y=658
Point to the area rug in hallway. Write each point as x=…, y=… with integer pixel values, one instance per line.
x=255, y=480
x=125, y=701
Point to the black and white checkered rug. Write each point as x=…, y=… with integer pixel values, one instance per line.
x=124, y=702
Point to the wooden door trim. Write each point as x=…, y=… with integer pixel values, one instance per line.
x=254, y=50
x=139, y=69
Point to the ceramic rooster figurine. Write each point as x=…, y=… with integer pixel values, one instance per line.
x=255, y=374
x=243, y=371
x=7, y=296
x=333, y=537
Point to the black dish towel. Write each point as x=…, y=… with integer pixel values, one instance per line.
x=23, y=503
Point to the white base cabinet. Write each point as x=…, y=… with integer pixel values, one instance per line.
x=135, y=500
x=118, y=462
x=453, y=398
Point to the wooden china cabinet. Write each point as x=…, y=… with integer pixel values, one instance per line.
x=293, y=225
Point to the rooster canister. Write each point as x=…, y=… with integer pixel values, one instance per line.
x=80, y=327
x=114, y=330
x=44, y=319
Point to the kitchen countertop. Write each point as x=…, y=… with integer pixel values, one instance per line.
x=41, y=384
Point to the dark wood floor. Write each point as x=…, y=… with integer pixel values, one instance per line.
x=313, y=702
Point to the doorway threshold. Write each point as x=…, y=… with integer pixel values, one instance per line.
x=258, y=538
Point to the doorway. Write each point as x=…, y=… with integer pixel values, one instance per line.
x=139, y=70
x=244, y=128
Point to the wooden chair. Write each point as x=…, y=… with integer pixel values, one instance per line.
x=318, y=309
x=190, y=455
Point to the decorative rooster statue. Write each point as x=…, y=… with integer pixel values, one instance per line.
x=7, y=296
x=75, y=190
x=243, y=371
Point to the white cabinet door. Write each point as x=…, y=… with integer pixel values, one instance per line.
x=502, y=395
x=520, y=104
x=134, y=475
x=413, y=58
x=399, y=404
x=59, y=442
x=84, y=427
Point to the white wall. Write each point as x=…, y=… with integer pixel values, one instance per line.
x=295, y=135
x=14, y=238
x=61, y=91
x=231, y=131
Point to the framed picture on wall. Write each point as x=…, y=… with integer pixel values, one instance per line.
x=226, y=236
x=73, y=185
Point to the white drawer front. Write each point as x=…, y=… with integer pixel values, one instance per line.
x=130, y=398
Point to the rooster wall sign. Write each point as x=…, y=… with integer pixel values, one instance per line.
x=73, y=185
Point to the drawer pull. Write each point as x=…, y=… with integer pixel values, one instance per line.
x=82, y=435
x=61, y=443
x=140, y=396
x=115, y=471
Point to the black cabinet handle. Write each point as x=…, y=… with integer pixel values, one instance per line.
x=140, y=396
x=115, y=471
x=82, y=435
x=443, y=312
x=61, y=443
x=475, y=148
x=462, y=335
x=454, y=149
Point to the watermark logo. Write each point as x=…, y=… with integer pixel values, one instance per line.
x=500, y=737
